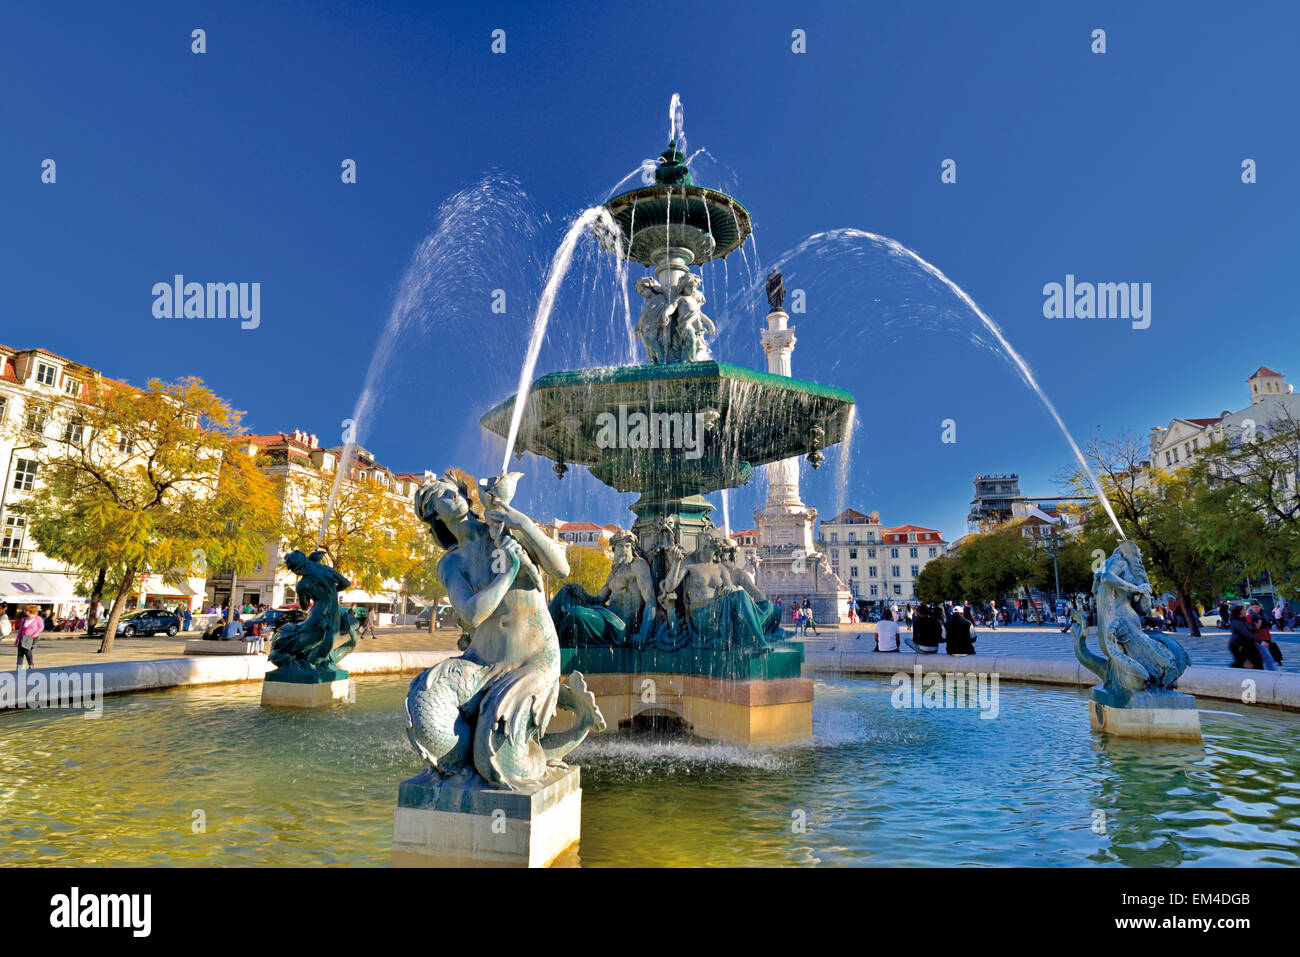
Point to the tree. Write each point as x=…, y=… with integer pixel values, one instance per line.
x=371, y=536
x=1000, y=563
x=588, y=567
x=935, y=584
x=1252, y=509
x=1167, y=514
x=150, y=480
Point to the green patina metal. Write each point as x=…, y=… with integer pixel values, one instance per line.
x=776, y=663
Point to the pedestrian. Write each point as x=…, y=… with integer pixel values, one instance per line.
x=927, y=633
x=1225, y=620
x=853, y=612
x=1270, y=654
x=1241, y=641
x=993, y=615
x=780, y=609
x=27, y=634
x=189, y=618
x=808, y=621
x=6, y=626
x=796, y=615
x=886, y=632
x=957, y=630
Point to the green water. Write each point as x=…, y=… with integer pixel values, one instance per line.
x=207, y=776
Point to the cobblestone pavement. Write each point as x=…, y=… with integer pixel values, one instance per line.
x=1210, y=649
x=61, y=651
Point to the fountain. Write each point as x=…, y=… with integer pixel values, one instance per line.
x=698, y=642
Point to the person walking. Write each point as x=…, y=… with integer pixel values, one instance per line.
x=6, y=626
x=797, y=616
x=1241, y=641
x=808, y=621
x=993, y=615
x=1270, y=655
x=188, y=617
x=853, y=612
x=886, y=632
x=27, y=634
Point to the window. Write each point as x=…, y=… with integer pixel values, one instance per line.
x=1167, y=459
x=874, y=591
x=933, y=552
x=72, y=387
x=1196, y=443
x=1187, y=449
x=15, y=527
x=871, y=553
x=916, y=570
x=871, y=571
x=73, y=432
x=898, y=589
x=24, y=475
x=853, y=553
x=853, y=572
x=835, y=536
x=893, y=553
x=45, y=374
x=126, y=443
x=36, y=419
x=895, y=571
x=911, y=553
x=4, y=406
x=911, y=536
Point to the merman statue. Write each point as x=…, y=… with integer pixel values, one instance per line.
x=622, y=613
x=309, y=645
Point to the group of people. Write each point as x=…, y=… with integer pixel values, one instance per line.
x=931, y=627
x=1250, y=640
x=801, y=615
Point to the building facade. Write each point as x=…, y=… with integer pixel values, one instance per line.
x=879, y=563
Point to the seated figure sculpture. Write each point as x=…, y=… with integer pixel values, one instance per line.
x=724, y=608
x=621, y=614
x=487, y=711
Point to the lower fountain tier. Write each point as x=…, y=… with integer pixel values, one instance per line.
x=755, y=700
x=678, y=429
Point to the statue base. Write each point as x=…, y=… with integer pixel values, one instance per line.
x=1145, y=714
x=443, y=822
x=306, y=689
x=753, y=700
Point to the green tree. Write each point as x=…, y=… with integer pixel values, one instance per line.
x=588, y=567
x=152, y=480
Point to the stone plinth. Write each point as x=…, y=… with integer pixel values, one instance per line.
x=1145, y=714
x=306, y=689
x=448, y=823
x=754, y=700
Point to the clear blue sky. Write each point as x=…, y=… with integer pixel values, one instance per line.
x=225, y=167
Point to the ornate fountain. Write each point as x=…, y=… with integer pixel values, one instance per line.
x=680, y=630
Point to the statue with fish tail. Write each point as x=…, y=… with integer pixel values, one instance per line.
x=487, y=711
x=1133, y=661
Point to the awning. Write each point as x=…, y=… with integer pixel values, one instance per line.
x=36, y=587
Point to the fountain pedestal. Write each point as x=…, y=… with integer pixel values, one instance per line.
x=1145, y=714
x=445, y=822
x=753, y=700
x=306, y=689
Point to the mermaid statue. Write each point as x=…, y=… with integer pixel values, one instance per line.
x=1133, y=661
x=486, y=712
x=309, y=645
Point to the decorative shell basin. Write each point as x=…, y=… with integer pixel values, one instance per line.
x=681, y=428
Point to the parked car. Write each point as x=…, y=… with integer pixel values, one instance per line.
x=446, y=618
x=146, y=621
x=271, y=620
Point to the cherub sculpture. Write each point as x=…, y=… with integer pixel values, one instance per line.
x=653, y=328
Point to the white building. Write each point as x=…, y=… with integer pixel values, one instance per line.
x=879, y=563
x=40, y=392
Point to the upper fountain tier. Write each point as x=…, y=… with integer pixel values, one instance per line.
x=661, y=222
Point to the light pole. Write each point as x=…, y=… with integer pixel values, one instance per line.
x=4, y=492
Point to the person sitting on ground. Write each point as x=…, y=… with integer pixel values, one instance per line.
x=927, y=633
x=887, y=632
x=958, y=631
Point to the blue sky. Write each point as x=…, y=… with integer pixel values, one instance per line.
x=225, y=166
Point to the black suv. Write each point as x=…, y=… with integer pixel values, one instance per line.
x=146, y=621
